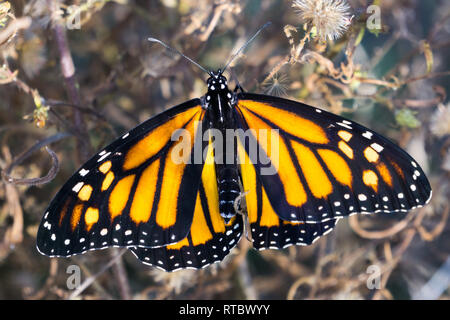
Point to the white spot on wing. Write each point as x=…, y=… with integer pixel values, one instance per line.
x=103, y=157
x=83, y=172
x=367, y=135
x=344, y=125
x=362, y=197
x=377, y=147
x=78, y=186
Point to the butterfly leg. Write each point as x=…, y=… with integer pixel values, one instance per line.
x=238, y=87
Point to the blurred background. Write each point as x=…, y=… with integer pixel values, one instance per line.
x=75, y=74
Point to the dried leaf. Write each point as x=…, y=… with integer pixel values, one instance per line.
x=407, y=118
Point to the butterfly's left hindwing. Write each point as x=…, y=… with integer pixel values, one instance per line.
x=132, y=193
x=326, y=167
x=209, y=239
x=267, y=229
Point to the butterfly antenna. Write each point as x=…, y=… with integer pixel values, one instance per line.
x=245, y=45
x=178, y=52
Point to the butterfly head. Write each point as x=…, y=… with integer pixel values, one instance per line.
x=217, y=81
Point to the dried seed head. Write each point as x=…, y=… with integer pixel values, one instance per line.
x=276, y=86
x=330, y=18
x=440, y=120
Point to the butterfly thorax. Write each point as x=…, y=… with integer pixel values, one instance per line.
x=219, y=103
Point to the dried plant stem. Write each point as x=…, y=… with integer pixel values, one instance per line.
x=438, y=229
x=309, y=280
x=68, y=71
x=26, y=154
x=246, y=281
x=11, y=30
x=14, y=234
x=48, y=283
x=218, y=11
x=83, y=145
x=91, y=279
x=354, y=224
x=120, y=274
x=296, y=50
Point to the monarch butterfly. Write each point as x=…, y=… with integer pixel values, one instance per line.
x=185, y=214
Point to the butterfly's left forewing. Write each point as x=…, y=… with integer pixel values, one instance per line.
x=326, y=167
x=132, y=193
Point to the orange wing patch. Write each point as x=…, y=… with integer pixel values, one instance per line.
x=179, y=245
x=209, y=180
x=398, y=169
x=282, y=161
x=337, y=165
x=290, y=122
x=85, y=193
x=345, y=148
x=157, y=139
x=269, y=218
x=166, y=214
x=142, y=205
x=370, y=179
x=200, y=232
x=385, y=174
x=105, y=166
x=109, y=178
x=63, y=211
x=248, y=175
x=371, y=155
x=315, y=176
x=345, y=135
x=91, y=217
x=76, y=215
x=119, y=196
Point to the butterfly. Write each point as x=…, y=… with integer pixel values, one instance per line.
x=178, y=189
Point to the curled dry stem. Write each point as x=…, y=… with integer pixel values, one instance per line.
x=26, y=154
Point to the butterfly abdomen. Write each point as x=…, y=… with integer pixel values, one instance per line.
x=229, y=190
